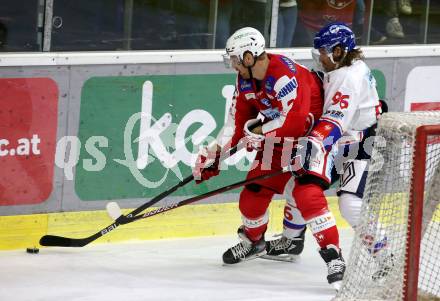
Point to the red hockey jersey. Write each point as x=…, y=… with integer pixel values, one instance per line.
x=285, y=97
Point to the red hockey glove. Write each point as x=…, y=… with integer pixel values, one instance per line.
x=207, y=165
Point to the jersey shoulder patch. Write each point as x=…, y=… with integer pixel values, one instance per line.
x=244, y=85
x=269, y=84
x=286, y=88
x=288, y=62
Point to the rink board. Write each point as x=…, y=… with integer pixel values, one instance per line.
x=24, y=231
x=71, y=109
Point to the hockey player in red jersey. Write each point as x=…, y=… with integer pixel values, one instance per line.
x=288, y=97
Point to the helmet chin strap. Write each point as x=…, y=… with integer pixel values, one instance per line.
x=250, y=72
x=330, y=55
x=250, y=68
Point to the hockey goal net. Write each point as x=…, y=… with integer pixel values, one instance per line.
x=395, y=253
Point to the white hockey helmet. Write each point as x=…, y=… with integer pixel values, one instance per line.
x=246, y=39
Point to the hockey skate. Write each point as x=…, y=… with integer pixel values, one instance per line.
x=285, y=249
x=335, y=265
x=245, y=250
x=385, y=264
x=378, y=250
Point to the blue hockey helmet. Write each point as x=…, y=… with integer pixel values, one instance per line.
x=335, y=34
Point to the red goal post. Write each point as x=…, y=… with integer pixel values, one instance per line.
x=416, y=202
x=395, y=253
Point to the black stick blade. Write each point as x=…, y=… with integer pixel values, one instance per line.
x=56, y=241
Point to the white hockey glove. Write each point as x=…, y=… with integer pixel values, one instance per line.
x=308, y=152
x=253, y=141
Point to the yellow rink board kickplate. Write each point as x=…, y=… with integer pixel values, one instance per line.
x=22, y=231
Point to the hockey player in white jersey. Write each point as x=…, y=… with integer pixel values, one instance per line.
x=351, y=109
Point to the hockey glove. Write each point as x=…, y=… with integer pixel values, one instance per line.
x=207, y=165
x=308, y=152
x=253, y=141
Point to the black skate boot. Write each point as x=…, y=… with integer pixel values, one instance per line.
x=285, y=249
x=335, y=265
x=245, y=250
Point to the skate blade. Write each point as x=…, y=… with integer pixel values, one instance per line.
x=337, y=285
x=260, y=255
x=285, y=258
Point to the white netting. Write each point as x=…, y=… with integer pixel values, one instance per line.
x=376, y=264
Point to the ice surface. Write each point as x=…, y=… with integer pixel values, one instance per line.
x=178, y=269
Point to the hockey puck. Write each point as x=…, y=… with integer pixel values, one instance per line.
x=32, y=250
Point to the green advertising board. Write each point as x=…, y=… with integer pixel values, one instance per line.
x=179, y=112
x=123, y=165
x=381, y=84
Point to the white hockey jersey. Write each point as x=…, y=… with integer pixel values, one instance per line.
x=351, y=104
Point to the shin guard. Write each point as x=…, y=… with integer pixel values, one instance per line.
x=323, y=228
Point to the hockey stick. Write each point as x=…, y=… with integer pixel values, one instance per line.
x=204, y=196
x=59, y=241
